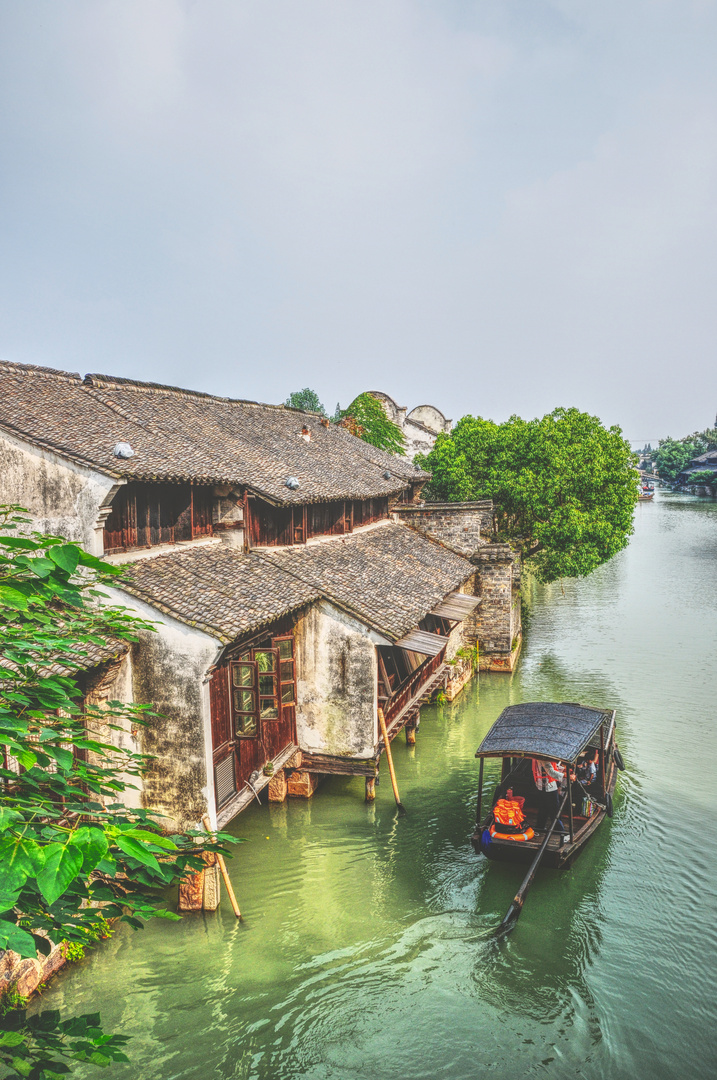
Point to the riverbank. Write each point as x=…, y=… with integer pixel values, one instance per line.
x=361, y=951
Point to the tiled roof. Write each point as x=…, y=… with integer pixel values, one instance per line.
x=180, y=435
x=388, y=577
x=217, y=589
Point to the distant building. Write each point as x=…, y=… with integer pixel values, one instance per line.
x=420, y=426
x=705, y=463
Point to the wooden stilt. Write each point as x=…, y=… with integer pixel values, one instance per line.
x=389, y=759
x=370, y=788
x=223, y=868
x=411, y=734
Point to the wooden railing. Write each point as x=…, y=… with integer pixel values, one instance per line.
x=412, y=687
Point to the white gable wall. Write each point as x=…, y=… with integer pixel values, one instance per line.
x=63, y=498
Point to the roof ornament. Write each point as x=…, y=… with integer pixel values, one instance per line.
x=386, y=475
x=292, y=483
x=305, y=434
x=123, y=450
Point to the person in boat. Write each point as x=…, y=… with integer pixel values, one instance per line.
x=549, y=776
x=587, y=768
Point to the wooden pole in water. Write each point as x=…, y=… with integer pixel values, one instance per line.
x=570, y=800
x=223, y=867
x=513, y=912
x=389, y=759
x=480, y=791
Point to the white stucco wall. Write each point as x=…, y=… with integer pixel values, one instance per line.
x=169, y=669
x=336, y=673
x=63, y=498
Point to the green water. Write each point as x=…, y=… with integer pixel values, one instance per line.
x=364, y=953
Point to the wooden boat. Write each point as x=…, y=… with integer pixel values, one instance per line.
x=559, y=732
x=645, y=495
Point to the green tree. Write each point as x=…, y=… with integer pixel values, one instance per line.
x=672, y=456
x=72, y=855
x=307, y=400
x=366, y=417
x=564, y=485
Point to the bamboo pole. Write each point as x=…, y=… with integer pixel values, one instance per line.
x=389, y=759
x=225, y=874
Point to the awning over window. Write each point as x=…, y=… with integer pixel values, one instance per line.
x=421, y=642
x=456, y=606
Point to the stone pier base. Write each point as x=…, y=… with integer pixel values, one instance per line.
x=302, y=785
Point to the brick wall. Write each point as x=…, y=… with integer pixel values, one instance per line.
x=461, y=526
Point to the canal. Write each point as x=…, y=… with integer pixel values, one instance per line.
x=364, y=952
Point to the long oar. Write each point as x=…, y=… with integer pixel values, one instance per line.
x=223, y=867
x=513, y=913
x=387, y=748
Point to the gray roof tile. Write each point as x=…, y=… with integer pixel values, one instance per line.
x=389, y=577
x=180, y=435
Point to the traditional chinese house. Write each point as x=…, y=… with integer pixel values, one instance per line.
x=290, y=602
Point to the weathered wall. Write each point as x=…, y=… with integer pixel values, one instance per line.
x=336, y=683
x=457, y=525
x=113, y=681
x=168, y=671
x=63, y=498
x=497, y=622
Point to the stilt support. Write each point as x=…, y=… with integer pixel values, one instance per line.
x=191, y=892
x=302, y=785
x=278, y=786
x=370, y=788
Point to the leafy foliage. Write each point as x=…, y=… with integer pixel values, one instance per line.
x=366, y=418
x=305, y=399
x=564, y=485
x=72, y=855
x=674, y=455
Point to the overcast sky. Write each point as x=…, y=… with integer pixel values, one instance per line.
x=495, y=206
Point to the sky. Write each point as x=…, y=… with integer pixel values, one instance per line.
x=494, y=206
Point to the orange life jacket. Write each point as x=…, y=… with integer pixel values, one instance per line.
x=508, y=815
x=508, y=812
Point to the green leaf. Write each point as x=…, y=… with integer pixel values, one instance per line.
x=8, y=899
x=13, y=598
x=136, y=850
x=18, y=542
x=63, y=863
x=12, y=1038
x=22, y=1066
x=66, y=556
x=20, y=859
x=153, y=838
x=8, y=817
x=93, y=844
x=15, y=938
x=64, y=758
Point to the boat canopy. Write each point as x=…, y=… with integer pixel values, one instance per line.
x=557, y=731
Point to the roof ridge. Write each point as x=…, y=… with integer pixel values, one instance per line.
x=94, y=380
x=17, y=368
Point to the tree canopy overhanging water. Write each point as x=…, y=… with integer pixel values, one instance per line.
x=364, y=949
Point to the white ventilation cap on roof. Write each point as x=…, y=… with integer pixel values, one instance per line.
x=123, y=450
